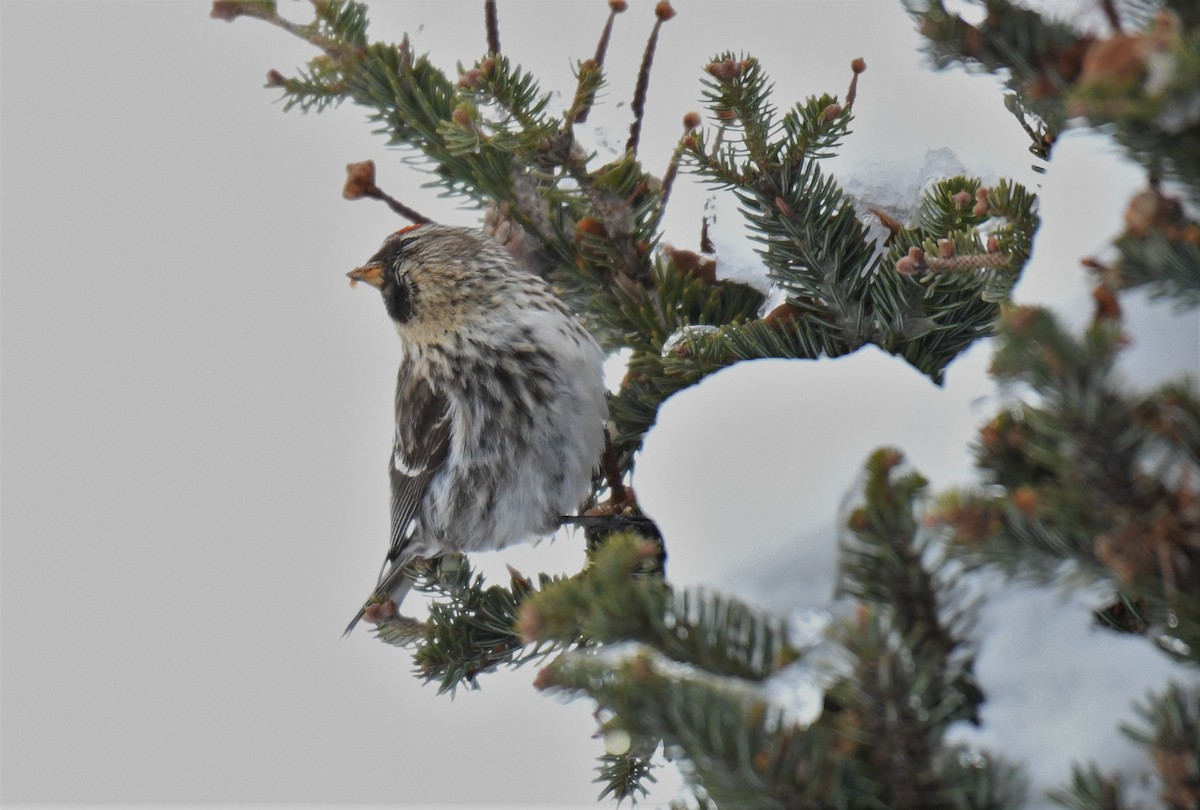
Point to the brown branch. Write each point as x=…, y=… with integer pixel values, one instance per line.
x=360, y=182
x=615, y=7
x=1114, y=19
x=493, y=26
x=662, y=12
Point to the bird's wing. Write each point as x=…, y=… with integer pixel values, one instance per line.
x=419, y=451
x=421, y=445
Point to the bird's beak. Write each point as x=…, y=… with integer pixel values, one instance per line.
x=370, y=273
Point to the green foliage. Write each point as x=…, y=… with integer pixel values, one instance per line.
x=1169, y=267
x=1141, y=85
x=842, y=287
x=1088, y=473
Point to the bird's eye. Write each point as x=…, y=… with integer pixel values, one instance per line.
x=406, y=241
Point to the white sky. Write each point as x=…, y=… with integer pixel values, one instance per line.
x=196, y=409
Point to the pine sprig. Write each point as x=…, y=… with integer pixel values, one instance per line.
x=1089, y=474
x=609, y=604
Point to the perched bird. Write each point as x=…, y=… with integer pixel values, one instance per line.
x=500, y=401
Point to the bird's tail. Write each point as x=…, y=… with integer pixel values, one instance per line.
x=394, y=585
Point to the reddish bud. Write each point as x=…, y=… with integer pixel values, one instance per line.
x=981, y=203
x=618, y=6
x=962, y=199
x=462, y=116
x=488, y=66
x=945, y=248
x=725, y=71
x=1107, y=306
x=690, y=263
x=784, y=313
x=1026, y=500
x=275, y=78
x=230, y=10
x=592, y=226
x=858, y=65
x=832, y=111
x=691, y=120
x=906, y=266
x=726, y=115
x=529, y=622
x=544, y=679
x=916, y=254
x=993, y=245
x=360, y=180
x=471, y=79
x=663, y=10
x=690, y=143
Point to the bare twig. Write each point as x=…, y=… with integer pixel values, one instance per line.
x=662, y=13
x=493, y=26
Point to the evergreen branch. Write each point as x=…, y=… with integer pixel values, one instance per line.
x=1166, y=261
x=1171, y=730
x=1091, y=790
x=611, y=603
x=740, y=751
x=886, y=560
x=624, y=774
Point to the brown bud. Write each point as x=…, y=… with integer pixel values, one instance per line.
x=725, y=71
x=1107, y=306
x=470, y=79
x=859, y=520
x=832, y=111
x=488, y=66
x=1020, y=318
x=962, y=199
x=588, y=65
x=618, y=6
x=529, y=622
x=592, y=226
x=691, y=120
x=858, y=65
x=462, y=116
x=906, y=266
x=784, y=313
x=993, y=245
x=360, y=180
x=945, y=248
x=690, y=143
x=230, y=10
x=690, y=263
x=1026, y=500
x=544, y=679
x=275, y=78
x=1116, y=62
x=663, y=10
x=916, y=254
x=378, y=613
x=981, y=202
x=726, y=115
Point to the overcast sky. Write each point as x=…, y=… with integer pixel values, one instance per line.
x=196, y=409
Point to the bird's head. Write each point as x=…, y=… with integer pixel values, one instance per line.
x=433, y=277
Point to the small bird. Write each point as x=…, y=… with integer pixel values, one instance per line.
x=500, y=401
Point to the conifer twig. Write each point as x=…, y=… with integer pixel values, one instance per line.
x=493, y=26
x=662, y=13
x=615, y=7
x=360, y=182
